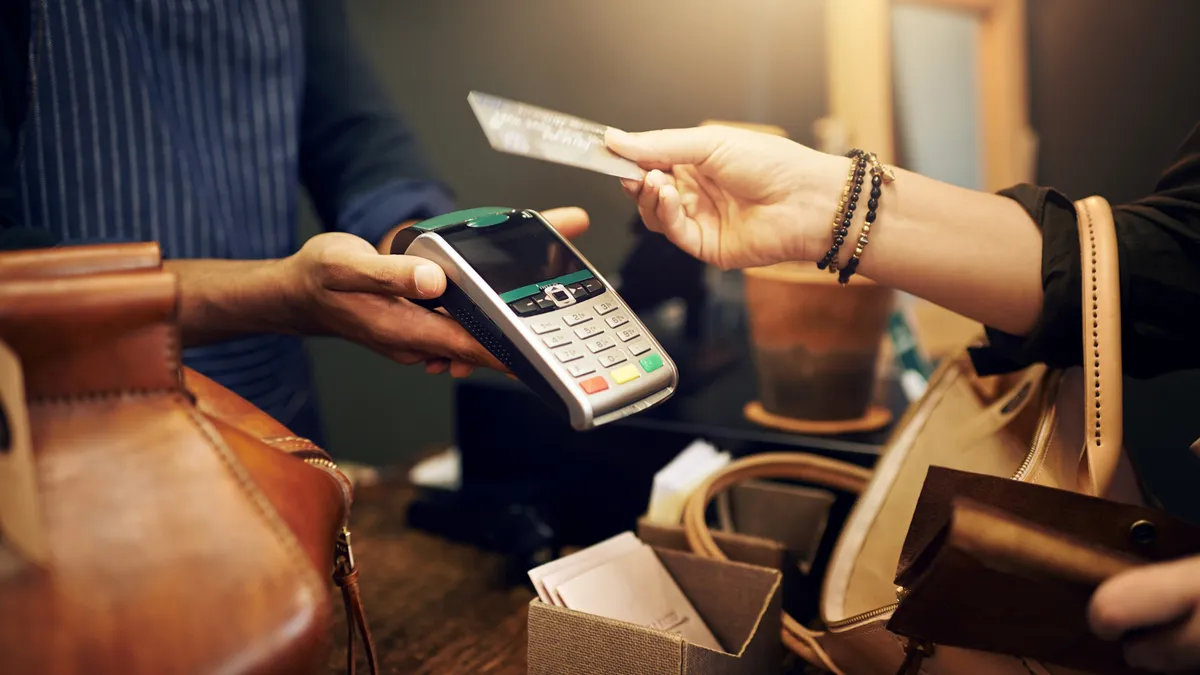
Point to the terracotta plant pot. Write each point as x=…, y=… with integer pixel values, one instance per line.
x=816, y=343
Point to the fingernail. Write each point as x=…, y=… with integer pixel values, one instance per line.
x=616, y=136
x=427, y=278
x=630, y=184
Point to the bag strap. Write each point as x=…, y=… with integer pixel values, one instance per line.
x=833, y=473
x=21, y=527
x=1103, y=423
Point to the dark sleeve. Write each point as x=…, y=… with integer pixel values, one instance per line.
x=362, y=166
x=1158, y=243
x=14, y=68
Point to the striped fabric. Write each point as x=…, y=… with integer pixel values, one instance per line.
x=176, y=121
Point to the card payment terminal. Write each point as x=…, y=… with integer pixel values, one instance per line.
x=528, y=296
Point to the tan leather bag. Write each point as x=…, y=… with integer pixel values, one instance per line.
x=1061, y=429
x=151, y=521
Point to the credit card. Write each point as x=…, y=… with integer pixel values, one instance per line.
x=529, y=131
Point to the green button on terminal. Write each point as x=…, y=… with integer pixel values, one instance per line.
x=651, y=363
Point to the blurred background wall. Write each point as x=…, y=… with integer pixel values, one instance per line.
x=630, y=64
x=1113, y=91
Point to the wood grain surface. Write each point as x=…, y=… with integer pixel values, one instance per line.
x=434, y=606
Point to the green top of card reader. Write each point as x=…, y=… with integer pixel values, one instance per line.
x=484, y=216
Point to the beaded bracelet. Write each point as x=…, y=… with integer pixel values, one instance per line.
x=844, y=216
x=864, y=235
x=879, y=175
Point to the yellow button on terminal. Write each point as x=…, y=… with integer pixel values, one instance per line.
x=625, y=374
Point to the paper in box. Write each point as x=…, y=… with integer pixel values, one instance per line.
x=739, y=602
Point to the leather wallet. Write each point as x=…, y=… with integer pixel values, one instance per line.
x=1010, y=567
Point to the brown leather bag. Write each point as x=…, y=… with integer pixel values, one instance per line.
x=153, y=521
x=1061, y=429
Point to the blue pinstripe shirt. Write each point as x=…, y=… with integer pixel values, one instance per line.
x=194, y=123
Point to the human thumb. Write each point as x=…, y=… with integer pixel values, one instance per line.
x=664, y=148
x=398, y=275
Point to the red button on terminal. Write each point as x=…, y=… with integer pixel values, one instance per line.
x=595, y=385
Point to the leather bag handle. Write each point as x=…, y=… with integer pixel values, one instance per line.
x=21, y=526
x=1103, y=423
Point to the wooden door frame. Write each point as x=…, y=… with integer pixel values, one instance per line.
x=861, y=99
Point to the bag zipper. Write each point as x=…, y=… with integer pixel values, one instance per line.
x=343, y=554
x=1041, y=437
x=1032, y=461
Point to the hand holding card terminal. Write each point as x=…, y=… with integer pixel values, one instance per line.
x=528, y=296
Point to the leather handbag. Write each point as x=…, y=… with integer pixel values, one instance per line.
x=1055, y=428
x=151, y=521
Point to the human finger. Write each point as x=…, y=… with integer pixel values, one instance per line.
x=1143, y=597
x=570, y=221
x=648, y=200
x=1171, y=649
x=397, y=275
x=665, y=148
x=461, y=369
x=678, y=228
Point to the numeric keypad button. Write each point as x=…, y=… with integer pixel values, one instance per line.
x=576, y=318
x=627, y=334
x=605, y=307
x=569, y=354
x=617, y=320
x=543, y=327
x=581, y=368
x=639, y=348
x=557, y=340
x=588, y=330
x=600, y=344
x=610, y=359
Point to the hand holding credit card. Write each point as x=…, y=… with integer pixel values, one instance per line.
x=529, y=131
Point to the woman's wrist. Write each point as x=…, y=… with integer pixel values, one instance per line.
x=815, y=201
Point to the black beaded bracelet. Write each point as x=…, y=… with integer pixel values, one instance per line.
x=864, y=235
x=844, y=216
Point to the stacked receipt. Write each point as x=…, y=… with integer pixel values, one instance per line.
x=622, y=578
x=676, y=481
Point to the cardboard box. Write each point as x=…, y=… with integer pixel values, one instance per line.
x=741, y=548
x=794, y=515
x=739, y=602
